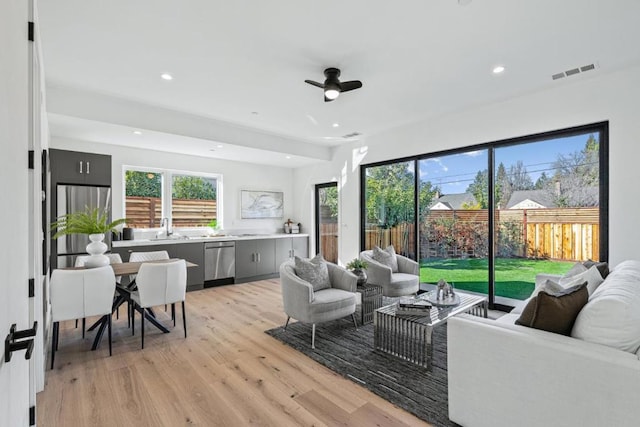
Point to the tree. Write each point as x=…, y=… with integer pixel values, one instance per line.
x=577, y=177
x=503, y=187
x=143, y=184
x=519, y=177
x=390, y=194
x=193, y=188
x=479, y=188
x=329, y=198
x=542, y=182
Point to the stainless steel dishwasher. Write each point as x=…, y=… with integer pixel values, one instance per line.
x=219, y=262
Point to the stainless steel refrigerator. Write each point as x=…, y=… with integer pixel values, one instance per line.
x=75, y=198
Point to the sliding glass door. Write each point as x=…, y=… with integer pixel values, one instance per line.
x=489, y=217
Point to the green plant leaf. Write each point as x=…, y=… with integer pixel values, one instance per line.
x=88, y=221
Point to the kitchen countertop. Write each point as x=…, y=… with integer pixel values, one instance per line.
x=200, y=239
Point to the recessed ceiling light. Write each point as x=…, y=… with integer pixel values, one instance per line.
x=219, y=145
x=287, y=157
x=255, y=113
x=464, y=2
x=498, y=69
x=335, y=125
x=137, y=132
x=212, y=149
x=166, y=76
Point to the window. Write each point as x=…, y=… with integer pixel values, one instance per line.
x=492, y=216
x=186, y=199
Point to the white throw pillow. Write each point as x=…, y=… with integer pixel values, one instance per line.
x=612, y=315
x=386, y=257
x=314, y=271
x=591, y=276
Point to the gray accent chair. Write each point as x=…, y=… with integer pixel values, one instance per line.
x=405, y=282
x=307, y=306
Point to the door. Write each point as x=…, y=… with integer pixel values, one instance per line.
x=15, y=375
x=266, y=256
x=327, y=221
x=245, y=258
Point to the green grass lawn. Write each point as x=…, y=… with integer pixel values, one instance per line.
x=515, y=277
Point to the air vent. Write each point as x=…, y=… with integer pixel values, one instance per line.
x=351, y=135
x=574, y=71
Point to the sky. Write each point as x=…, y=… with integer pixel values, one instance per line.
x=454, y=173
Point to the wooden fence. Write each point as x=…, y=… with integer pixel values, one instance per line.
x=570, y=234
x=329, y=241
x=146, y=212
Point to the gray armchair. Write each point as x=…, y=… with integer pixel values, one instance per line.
x=405, y=282
x=303, y=304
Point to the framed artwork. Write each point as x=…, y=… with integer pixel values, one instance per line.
x=261, y=204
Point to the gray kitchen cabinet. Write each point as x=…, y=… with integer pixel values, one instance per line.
x=287, y=247
x=192, y=252
x=74, y=167
x=255, y=258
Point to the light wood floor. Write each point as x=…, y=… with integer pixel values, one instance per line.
x=228, y=372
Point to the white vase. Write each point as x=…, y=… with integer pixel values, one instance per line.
x=96, y=249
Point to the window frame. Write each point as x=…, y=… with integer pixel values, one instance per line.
x=166, y=198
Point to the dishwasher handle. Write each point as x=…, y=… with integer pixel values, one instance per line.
x=215, y=245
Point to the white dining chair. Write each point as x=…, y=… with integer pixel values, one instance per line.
x=77, y=294
x=160, y=283
x=113, y=259
x=147, y=256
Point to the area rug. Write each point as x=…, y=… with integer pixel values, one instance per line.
x=349, y=352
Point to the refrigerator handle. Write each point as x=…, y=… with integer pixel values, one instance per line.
x=88, y=168
x=80, y=166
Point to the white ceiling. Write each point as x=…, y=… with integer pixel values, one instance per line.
x=231, y=60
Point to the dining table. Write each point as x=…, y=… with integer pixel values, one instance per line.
x=124, y=294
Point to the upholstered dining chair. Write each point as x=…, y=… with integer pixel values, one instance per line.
x=397, y=274
x=308, y=305
x=77, y=294
x=113, y=259
x=146, y=256
x=160, y=283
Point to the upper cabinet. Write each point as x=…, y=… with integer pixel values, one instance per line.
x=73, y=167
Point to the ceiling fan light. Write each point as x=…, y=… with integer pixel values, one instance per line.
x=331, y=93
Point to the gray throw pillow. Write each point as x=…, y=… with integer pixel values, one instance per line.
x=386, y=257
x=314, y=271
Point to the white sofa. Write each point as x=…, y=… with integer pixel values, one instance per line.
x=503, y=374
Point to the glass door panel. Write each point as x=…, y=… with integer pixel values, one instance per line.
x=390, y=207
x=327, y=226
x=453, y=220
x=547, y=210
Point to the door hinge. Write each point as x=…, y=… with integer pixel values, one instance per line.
x=32, y=31
x=32, y=416
x=32, y=164
x=32, y=288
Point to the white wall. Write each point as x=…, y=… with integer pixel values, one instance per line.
x=236, y=176
x=613, y=97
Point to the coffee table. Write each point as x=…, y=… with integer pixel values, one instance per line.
x=411, y=337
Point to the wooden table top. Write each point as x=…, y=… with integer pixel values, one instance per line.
x=126, y=268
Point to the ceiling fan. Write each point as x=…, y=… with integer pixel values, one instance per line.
x=332, y=85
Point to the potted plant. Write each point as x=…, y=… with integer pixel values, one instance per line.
x=94, y=223
x=357, y=266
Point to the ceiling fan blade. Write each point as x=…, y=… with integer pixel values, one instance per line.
x=312, y=83
x=353, y=84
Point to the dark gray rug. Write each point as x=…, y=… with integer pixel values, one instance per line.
x=349, y=352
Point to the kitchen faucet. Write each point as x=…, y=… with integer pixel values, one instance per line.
x=165, y=223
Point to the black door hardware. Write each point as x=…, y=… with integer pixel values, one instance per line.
x=11, y=345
